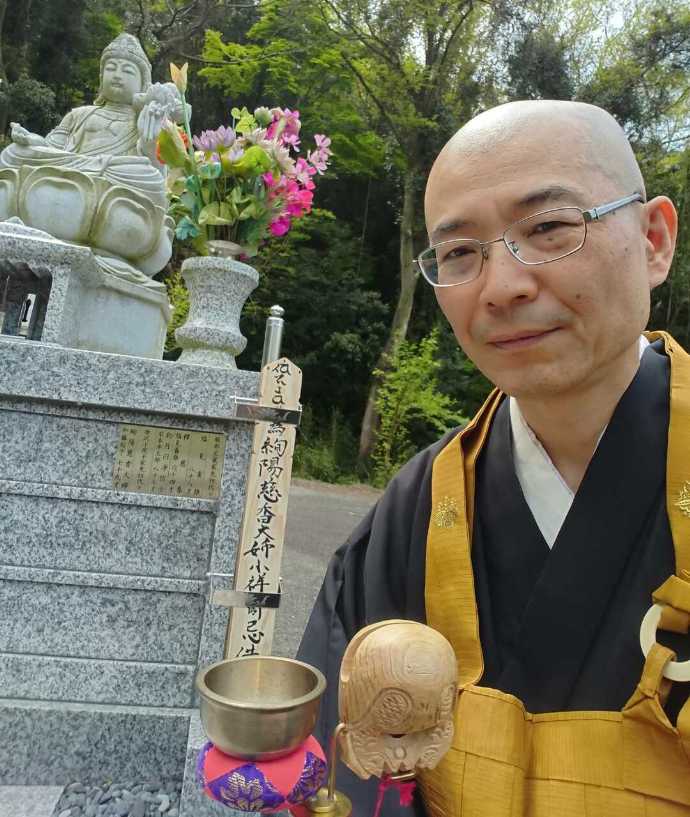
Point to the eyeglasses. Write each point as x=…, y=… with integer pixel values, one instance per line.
x=538, y=239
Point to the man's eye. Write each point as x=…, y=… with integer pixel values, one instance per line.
x=457, y=252
x=548, y=226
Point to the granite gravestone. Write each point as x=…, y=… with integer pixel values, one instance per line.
x=122, y=477
x=122, y=487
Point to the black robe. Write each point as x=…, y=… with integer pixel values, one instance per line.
x=559, y=628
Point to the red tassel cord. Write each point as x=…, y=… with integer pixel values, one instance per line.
x=405, y=792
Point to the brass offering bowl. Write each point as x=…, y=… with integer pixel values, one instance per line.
x=259, y=707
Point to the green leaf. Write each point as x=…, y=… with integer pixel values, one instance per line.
x=186, y=229
x=193, y=184
x=246, y=122
x=189, y=200
x=216, y=213
x=253, y=210
x=254, y=162
x=172, y=150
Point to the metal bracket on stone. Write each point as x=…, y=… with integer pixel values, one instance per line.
x=225, y=597
x=248, y=409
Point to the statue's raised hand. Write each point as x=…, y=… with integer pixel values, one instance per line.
x=151, y=121
x=21, y=136
x=160, y=102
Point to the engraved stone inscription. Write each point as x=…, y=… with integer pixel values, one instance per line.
x=169, y=461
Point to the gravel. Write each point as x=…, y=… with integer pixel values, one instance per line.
x=120, y=799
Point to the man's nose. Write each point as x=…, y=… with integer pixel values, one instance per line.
x=505, y=280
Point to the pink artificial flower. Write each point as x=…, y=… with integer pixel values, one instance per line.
x=292, y=123
x=285, y=122
x=291, y=139
x=280, y=226
x=318, y=162
x=299, y=203
x=322, y=142
x=304, y=171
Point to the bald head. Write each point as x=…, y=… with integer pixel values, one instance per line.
x=548, y=324
x=587, y=138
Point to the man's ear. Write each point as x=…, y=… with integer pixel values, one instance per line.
x=660, y=239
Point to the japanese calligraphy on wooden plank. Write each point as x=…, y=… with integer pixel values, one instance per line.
x=169, y=461
x=263, y=528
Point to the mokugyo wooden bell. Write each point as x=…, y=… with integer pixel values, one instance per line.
x=398, y=687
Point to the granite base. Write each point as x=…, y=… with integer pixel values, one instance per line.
x=80, y=304
x=28, y=801
x=46, y=743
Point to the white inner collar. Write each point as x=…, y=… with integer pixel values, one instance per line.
x=547, y=494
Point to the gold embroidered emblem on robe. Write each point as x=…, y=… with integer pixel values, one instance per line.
x=446, y=513
x=683, y=501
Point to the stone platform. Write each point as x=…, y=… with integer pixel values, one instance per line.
x=104, y=611
x=75, y=302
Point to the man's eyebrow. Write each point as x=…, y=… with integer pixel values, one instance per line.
x=552, y=193
x=544, y=195
x=446, y=227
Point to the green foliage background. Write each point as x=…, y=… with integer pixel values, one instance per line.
x=373, y=76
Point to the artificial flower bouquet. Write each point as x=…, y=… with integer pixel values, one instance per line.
x=238, y=185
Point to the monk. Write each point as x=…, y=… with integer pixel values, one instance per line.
x=537, y=538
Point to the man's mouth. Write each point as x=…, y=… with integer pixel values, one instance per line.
x=521, y=340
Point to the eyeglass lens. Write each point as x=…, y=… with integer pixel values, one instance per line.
x=537, y=239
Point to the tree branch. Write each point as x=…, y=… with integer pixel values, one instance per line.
x=361, y=38
x=366, y=40
x=377, y=102
x=264, y=55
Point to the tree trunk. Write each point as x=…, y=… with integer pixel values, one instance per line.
x=25, y=34
x=403, y=310
x=4, y=87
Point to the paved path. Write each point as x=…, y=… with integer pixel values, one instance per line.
x=320, y=518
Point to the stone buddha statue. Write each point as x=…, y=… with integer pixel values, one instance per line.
x=95, y=180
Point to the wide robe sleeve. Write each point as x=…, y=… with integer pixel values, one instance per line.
x=376, y=575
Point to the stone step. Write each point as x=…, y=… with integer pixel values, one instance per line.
x=28, y=801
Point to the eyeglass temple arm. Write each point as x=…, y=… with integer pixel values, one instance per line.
x=597, y=212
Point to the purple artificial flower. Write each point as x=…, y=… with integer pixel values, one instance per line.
x=235, y=153
x=213, y=140
x=322, y=142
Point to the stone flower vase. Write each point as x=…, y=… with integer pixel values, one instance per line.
x=218, y=288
